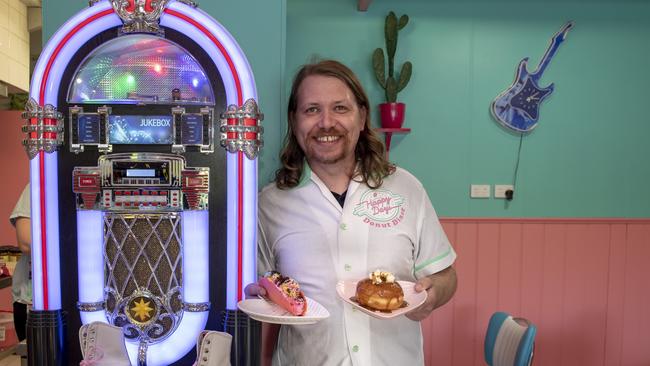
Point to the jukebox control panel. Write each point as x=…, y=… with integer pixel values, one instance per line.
x=141, y=182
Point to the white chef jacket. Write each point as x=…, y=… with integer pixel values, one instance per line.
x=304, y=233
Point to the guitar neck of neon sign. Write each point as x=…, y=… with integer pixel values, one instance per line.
x=556, y=41
x=518, y=106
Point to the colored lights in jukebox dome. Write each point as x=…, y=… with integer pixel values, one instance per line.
x=122, y=85
x=140, y=68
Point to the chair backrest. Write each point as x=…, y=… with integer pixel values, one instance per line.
x=509, y=341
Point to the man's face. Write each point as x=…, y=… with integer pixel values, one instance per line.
x=327, y=121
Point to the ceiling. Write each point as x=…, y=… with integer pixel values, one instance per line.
x=32, y=3
x=34, y=24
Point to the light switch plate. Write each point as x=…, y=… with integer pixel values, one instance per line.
x=479, y=191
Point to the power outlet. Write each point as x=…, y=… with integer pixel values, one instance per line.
x=500, y=190
x=479, y=191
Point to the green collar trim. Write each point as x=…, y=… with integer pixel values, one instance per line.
x=306, y=175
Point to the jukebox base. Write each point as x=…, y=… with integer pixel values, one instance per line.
x=45, y=337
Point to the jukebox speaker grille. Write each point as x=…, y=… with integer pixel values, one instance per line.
x=143, y=273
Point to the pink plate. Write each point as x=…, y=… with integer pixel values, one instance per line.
x=347, y=289
x=268, y=312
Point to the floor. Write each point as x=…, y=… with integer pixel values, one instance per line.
x=9, y=358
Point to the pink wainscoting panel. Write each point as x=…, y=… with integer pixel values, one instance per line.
x=532, y=277
x=487, y=283
x=585, y=283
x=463, y=333
x=585, y=294
x=549, y=324
x=616, y=295
x=636, y=307
x=510, y=268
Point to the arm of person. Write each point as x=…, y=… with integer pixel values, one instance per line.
x=269, y=339
x=269, y=331
x=265, y=262
x=24, y=235
x=440, y=287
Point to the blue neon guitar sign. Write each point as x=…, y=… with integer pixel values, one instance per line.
x=517, y=107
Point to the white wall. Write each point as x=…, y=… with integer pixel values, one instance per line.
x=14, y=44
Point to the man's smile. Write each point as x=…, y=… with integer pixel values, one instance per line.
x=328, y=138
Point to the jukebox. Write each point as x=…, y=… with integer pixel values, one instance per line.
x=143, y=132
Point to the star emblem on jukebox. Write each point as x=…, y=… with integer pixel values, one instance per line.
x=141, y=309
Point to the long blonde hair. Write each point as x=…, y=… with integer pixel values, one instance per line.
x=369, y=151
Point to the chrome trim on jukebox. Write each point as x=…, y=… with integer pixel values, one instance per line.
x=188, y=3
x=44, y=128
x=142, y=353
x=91, y=306
x=241, y=130
x=73, y=116
x=104, y=145
x=196, y=307
x=138, y=16
x=185, y=135
x=177, y=120
x=207, y=115
x=93, y=133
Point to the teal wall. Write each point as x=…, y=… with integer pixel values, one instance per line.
x=588, y=157
x=258, y=26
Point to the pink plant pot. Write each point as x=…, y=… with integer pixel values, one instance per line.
x=392, y=114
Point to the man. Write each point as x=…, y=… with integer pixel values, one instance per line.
x=337, y=211
x=22, y=282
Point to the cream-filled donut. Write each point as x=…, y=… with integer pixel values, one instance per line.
x=380, y=291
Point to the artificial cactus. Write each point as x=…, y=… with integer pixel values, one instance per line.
x=391, y=84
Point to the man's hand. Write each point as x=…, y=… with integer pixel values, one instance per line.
x=440, y=287
x=253, y=290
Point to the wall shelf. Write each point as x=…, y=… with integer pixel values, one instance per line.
x=362, y=5
x=388, y=134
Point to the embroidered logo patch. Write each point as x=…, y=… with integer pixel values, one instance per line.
x=381, y=208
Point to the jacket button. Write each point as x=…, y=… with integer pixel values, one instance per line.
x=347, y=267
x=343, y=226
x=355, y=348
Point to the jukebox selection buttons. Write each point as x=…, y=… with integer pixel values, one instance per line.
x=106, y=198
x=174, y=198
x=140, y=199
x=140, y=182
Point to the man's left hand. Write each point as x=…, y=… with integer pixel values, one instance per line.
x=424, y=284
x=440, y=287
